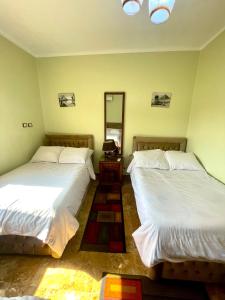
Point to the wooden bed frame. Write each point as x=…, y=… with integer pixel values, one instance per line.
x=16, y=244
x=190, y=270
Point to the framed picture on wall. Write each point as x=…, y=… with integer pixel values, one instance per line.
x=66, y=99
x=160, y=99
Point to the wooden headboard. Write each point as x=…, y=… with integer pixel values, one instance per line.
x=78, y=141
x=150, y=143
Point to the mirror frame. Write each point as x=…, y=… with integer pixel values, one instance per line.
x=123, y=107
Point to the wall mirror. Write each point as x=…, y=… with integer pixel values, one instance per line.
x=114, y=118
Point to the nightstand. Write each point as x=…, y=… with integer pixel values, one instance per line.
x=110, y=170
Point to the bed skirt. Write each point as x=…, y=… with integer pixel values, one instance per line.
x=191, y=270
x=16, y=244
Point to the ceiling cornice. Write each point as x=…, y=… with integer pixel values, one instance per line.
x=17, y=43
x=108, y=52
x=120, y=51
x=212, y=39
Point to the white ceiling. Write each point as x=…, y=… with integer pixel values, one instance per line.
x=67, y=27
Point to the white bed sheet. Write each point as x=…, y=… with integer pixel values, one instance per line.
x=182, y=216
x=41, y=199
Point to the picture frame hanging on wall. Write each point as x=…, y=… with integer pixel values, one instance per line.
x=66, y=99
x=160, y=99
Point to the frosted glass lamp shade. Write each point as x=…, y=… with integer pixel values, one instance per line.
x=131, y=7
x=160, y=10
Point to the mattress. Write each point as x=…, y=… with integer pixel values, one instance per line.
x=40, y=200
x=182, y=215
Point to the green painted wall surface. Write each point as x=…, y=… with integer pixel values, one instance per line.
x=19, y=102
x=139, y=75
x=206, y=131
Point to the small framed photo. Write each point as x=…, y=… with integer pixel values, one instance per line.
x=161, y=99
x=66, y=99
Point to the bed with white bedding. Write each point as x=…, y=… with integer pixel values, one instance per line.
x=180, y=220
x=182, y=216
x=40, y=200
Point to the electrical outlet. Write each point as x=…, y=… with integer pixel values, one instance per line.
x=30, y=124
x=24, y=125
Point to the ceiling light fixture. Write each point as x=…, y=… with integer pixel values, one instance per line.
x=131, y=7
x=159, y=10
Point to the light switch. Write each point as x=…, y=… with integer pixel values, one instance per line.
x=30, y=124
x=24, y=125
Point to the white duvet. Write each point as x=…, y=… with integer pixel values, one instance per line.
x=182, y=216
x=41, y=199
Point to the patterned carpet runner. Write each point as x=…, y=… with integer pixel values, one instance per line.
x=104, y=231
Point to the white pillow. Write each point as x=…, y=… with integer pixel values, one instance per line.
x=47, y=153
x=71, y=155
x=179, y=160
x=154, y=159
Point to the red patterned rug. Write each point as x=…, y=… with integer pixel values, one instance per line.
x=131, y=287
x=104, y=231
x=115, y=287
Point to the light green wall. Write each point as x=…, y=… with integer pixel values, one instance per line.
x=139, y=75
x=19, y=102
x=206, y=131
